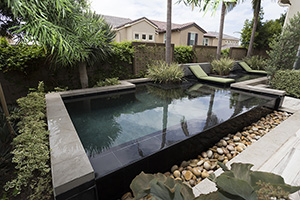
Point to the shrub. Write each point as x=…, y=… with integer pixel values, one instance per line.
x=256, y=62
x=284, y=47
x=183, y=54
x=161, y=72
x=288, y=80
x=225, y=52
x=119, y=64
x=222, y=66
x=31, y=147
x=108, y=82
x=18, y=57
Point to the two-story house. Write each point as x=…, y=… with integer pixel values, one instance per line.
x=212, y=38
x=146, y=30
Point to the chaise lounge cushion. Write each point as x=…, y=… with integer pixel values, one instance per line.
x=200, y=74
x=246, y=67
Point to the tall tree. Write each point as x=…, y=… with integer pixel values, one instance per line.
x=265, y=32
x=74, y=35
x=168, y=31
x=256, y=4
x=204, y=5
x=221, y=28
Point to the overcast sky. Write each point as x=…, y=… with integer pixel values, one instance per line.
x=157, y=10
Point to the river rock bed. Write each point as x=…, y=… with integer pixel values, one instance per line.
x=194, y=170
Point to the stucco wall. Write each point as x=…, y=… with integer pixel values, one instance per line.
x=184, y=36
x=293, y=9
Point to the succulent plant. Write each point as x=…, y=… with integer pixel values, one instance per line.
x=242, y=183
x=159, y=186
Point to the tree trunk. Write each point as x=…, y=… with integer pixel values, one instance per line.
x=168, y=32
x=221, y=31
x=84, y=80
x=256, y=15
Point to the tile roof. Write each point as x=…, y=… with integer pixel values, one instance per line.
x=162, y=26
x=119, y=22
x=216, y=35
x=115, y=21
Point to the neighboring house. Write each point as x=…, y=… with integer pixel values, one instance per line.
x=144, y=29
x=294, y=7
x=211, y=39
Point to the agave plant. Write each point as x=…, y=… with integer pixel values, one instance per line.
x=222, y=66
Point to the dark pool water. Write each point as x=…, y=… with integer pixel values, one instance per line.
x=120, y=128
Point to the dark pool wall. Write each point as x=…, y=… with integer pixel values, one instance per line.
x=113, y=185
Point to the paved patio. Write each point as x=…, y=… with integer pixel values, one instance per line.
x=277, y=152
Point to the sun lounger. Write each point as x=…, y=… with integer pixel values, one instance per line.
x=248, y=69
x=201, y=75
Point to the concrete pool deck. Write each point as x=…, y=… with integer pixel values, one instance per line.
x=277, y=152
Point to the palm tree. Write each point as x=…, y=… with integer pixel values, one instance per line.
x=74, y=35
x=256, y=4
x=204, y=5
x=168, y=32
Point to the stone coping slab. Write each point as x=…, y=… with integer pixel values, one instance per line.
x=88, y=91
x=262, y=151
x=70, y=166
x=257, y=85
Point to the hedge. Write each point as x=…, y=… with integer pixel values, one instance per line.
x=288, y=80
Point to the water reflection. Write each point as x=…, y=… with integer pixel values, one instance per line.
x=166, y=115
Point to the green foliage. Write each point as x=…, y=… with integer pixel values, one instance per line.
x=5, y=142
x=284, y=47
x=183, y=54
x=242, y=183
x=158, y=186
x=256, y=62
x=225, y=52
x=119, y=63
x=108, y=82
x=31, y=147
x=18, y=57
x=7, y=21
x=222, y=66
x=161, y=72
x=288, y=80
x=67, y=28
x=265, y=32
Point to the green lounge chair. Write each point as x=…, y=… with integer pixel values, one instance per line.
x=201, y=75
x=248, y=69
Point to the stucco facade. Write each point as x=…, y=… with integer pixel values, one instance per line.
x=138, y=31
x=146, y=30
x=180, y=37
x=211, y=39
x=294, y=7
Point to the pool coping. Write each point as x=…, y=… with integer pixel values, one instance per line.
x=258, y=85
x=66, y=154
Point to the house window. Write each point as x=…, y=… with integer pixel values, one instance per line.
x=150, y=37
x=165, y=38
x=144, y=36
x=136, y=36
x=192, y=39
x=205, y=41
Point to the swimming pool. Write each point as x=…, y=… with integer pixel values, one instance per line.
x=120, y=128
